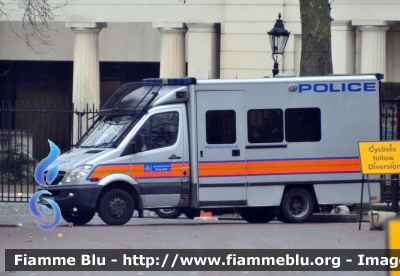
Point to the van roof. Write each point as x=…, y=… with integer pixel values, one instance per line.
x=330, y=78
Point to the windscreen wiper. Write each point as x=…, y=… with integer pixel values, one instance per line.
x=101, y=145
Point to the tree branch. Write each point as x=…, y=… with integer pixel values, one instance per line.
x=35, y=20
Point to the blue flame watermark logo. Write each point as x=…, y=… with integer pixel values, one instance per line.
x=40, y=179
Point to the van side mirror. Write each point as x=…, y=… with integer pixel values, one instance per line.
x=137, y=143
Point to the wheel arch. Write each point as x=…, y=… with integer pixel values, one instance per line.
x=309, y=188
x=128, y=187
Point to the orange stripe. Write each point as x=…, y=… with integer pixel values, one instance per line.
x=222, y=168
x=103, y=170
x=237, y=168
x=280, y=167
x=137, y=170
x=296, y=166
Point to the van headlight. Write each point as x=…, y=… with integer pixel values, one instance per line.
x=79, y=173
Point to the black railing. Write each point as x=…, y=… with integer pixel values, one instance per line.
x=25, y=129
x=389, y=123
x=390, y=187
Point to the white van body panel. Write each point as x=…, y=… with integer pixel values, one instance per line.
x=349, y=110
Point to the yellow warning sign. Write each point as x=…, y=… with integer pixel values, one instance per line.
x=380, y=157
x=393, y=230
x=394, y=234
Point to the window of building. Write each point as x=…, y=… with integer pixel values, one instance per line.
x=265, y=125
x=160, y=130
x=303, y=124
x=221, y=126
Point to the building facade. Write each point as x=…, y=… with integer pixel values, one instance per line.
x=98, y=45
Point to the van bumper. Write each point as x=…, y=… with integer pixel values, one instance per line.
x=72, y=198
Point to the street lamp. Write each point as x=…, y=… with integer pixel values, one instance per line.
x=278, y=36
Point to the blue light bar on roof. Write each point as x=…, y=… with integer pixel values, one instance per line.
x=172, y=81
x=182, y=81
x=158, y=81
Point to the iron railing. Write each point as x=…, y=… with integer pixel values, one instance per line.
x=25, y=129
x=389, y=123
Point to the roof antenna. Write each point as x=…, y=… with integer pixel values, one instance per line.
x=236, y=73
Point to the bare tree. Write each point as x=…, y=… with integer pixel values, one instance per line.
x=35, y=19
x=316, y=52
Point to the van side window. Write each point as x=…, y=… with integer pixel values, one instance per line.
x=265, y=125
x=303, y=124
x=221, y=127
x=160, y=130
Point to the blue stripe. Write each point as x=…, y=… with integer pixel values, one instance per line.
x=271, y=174
x=158, y=177
x=223, y=161
x=227, y=175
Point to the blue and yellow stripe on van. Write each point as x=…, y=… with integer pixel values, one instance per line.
x=280, y=167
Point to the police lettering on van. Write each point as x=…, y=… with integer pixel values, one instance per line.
x=338, y=87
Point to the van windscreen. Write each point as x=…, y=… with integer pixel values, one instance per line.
x=107, y=132
x=130, y=98
x=119, y=114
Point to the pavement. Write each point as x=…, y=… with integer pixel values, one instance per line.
x=13, y=214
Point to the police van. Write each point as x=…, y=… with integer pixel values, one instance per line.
x=258, y=147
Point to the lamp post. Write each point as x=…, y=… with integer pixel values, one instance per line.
x=278, y=37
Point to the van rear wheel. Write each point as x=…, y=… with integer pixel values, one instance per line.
x=168, y=213
x=116, y=207
x=281, y=218
x=257, y=215
x=297, y=206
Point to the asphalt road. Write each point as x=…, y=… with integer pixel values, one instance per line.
x=153, y=233
x=19, y=231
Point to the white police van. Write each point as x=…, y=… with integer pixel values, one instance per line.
x=259, y=147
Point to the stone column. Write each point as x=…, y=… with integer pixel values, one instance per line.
x=393, y=55
x=173, y=57
x=373, y=49
x=343, y=47
x=203, y=46
x=86, y=76
x=297, y=53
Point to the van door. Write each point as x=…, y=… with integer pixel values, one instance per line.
x=221, y=148
x=160, y=167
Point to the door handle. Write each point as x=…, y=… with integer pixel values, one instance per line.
x=173, y=156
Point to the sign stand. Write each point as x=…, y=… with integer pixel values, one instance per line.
x=370, y=204
x=361, y=202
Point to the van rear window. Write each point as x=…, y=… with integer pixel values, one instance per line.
x=276, y=125
x=303, y=124
x=265, y=125
x=221, y=126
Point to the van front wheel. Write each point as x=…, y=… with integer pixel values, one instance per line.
x=297, y=206
x=78, y=218
x=116, y=207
